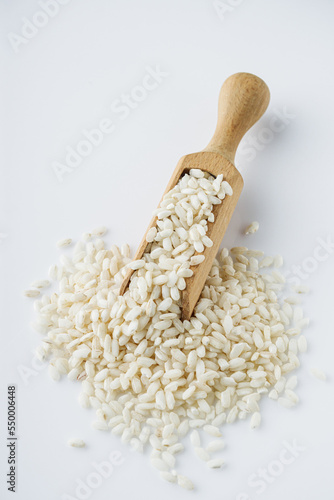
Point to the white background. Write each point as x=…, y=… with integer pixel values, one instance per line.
x=64, y=80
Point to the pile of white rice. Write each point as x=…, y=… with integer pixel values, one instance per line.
x=152, y=377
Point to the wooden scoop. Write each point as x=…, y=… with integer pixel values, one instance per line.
x=242, y=101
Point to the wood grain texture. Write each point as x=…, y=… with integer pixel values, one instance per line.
x=242, y=101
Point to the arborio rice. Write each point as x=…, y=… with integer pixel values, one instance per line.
x=152, y=377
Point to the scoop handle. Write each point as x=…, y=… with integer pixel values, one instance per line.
x=243, y=99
